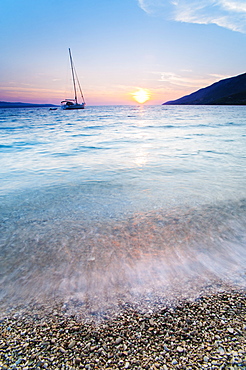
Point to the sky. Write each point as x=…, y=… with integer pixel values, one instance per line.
x=166, y=48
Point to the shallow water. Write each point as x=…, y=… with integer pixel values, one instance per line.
x=121, y=202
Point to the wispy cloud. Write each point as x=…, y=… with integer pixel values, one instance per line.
x=230, y=14
x=188, y=80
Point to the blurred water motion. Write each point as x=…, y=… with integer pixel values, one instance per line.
x=121, y=204
x=168, y=255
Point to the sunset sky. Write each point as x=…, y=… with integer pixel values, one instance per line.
x=168, y=48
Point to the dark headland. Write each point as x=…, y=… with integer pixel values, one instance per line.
x=5, y=104
x=230, y=91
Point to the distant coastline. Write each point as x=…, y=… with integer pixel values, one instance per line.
x=4, y=104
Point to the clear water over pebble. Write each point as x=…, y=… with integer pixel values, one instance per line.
x=121, y=203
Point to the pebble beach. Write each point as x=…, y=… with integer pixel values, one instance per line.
x=206, y=333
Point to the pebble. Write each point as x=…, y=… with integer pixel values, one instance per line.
x=77, y=361
x=221, y=351
x=71, y=344
x=180, y=349
x=152, y=322
x=118, y=340
x=189, y=336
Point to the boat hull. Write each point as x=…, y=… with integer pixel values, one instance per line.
x=74, y=106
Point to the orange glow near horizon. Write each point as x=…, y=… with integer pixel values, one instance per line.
x=141, y=96
x=92, y=97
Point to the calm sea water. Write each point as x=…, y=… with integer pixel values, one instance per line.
x=121, y=202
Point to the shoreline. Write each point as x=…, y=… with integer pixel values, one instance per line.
x=206, y=333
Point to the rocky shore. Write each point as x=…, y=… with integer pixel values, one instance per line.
x=207, y=333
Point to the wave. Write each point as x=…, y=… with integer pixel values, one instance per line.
x=177, y=252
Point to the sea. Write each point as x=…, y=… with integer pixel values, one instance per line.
x=111, y=205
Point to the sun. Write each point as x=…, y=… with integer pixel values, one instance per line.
x=141, y=96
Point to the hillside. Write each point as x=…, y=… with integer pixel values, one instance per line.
x=230, y=91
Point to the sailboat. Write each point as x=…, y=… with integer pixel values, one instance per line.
x=73, y=103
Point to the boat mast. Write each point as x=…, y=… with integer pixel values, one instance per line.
x=74, y=85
